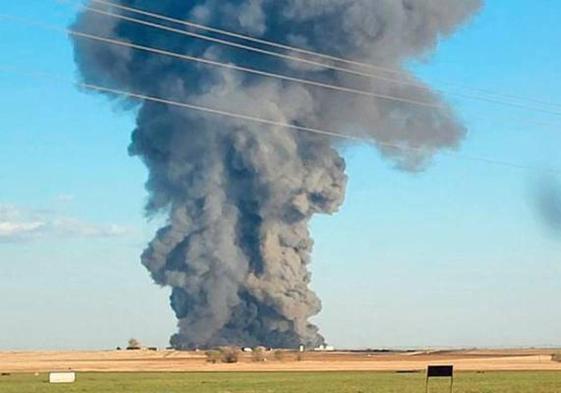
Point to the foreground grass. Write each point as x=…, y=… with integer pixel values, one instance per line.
x=326, y=382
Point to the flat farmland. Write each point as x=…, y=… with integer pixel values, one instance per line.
x=176, y=361
x=286, y=382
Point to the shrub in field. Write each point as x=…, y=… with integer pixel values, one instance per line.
x=259, y=354
x=229, y=355
x=556, y=357
x=213, y=356
x=279, y=355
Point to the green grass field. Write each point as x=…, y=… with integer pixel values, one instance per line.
x=326, y=382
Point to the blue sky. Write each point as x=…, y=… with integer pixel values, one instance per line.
x=454, y=256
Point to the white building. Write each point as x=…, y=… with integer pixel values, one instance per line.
x=325, y=348
x=62, y=377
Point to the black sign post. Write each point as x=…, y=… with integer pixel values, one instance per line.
x=440, y=372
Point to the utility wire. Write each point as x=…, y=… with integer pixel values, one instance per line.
x=253, y=70
x=105, y=40
x=244, y=37
x=217, y=63
x=495, y=97
x=263, y=121
x=225, y=42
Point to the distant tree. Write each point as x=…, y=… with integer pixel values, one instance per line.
x=213, y=356
x=229, y=355
x=279, y=355
x=134, y=344
x=259, y=354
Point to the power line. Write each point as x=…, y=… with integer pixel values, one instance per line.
x=258, y=40
x=158, y=51
x=220, y=64
x=478, y=96
x=253, y=70
x=139, y=96
x=227, y=43
x=268, y=122
x=244, y=37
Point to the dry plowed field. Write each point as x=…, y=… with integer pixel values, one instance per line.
x=152, y=361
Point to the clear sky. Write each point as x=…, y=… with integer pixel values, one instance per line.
x=454, y=256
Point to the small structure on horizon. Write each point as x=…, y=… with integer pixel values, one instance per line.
x=325, y=348
x=62, y=377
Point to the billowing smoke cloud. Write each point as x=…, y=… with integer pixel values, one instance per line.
x=239, y=195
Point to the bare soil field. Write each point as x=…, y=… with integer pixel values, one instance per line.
x=176, y=361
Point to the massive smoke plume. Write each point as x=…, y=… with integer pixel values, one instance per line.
x=239, y=196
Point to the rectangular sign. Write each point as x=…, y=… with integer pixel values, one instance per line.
x=65, y=377
x=440, y=372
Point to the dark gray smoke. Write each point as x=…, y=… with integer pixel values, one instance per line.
x=549, y=203
x=239, y=195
